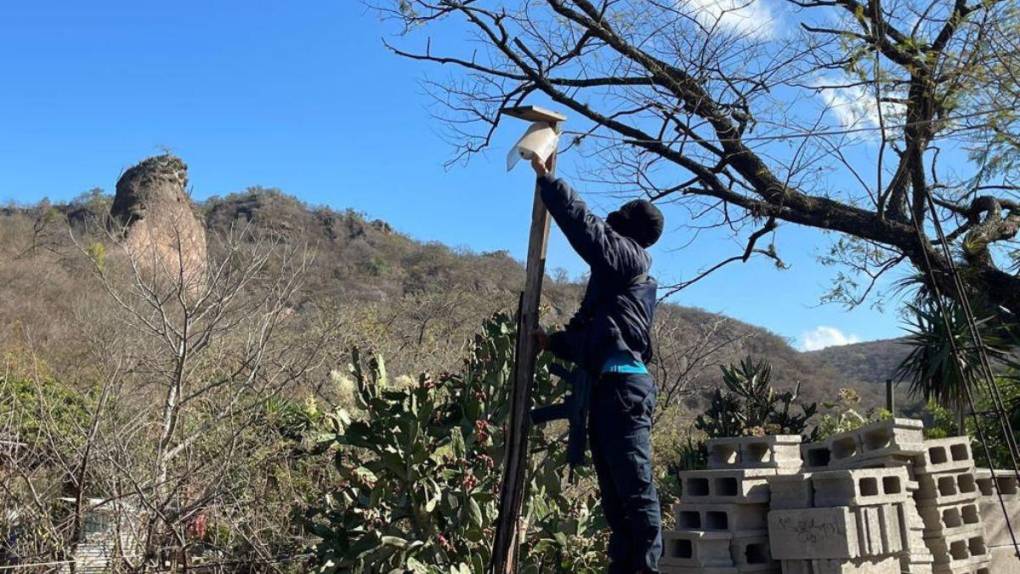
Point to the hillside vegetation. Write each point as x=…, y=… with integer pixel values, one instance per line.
x=416, y=302
x=872, y=362
x=218, y=397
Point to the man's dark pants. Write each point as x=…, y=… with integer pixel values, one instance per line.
x=619, y=429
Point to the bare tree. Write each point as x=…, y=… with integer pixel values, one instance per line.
x=723, y=108
x=684, y=352
x=202, y=358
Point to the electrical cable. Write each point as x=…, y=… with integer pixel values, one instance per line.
x=955, y=350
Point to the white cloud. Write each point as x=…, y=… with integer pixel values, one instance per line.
x=855, y=106
x=751, y=18
x=823, y=336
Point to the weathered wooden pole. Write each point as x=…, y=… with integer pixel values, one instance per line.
x=890, y=397
x=509, y=526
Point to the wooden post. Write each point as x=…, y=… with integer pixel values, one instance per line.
x=509, y=526
x=890, y=397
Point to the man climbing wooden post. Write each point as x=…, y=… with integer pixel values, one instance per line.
x=509, y=528
x=609, y=340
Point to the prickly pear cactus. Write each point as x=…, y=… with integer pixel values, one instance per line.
x=420, y=469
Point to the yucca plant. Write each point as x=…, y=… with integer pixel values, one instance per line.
x=931, y=368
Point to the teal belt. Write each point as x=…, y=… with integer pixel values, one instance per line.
x=624, y=363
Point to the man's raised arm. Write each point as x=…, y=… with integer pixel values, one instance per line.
x=586, y=232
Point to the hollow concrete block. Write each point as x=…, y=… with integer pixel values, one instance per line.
x=887, y=565
x=836, y=532
x=990, y=483
x=814, y=533
x=751, y=552
x=697, y=549
x=816, y=455
x=879, y=530
x=860, y=487
x=944, y=519
x=892, y=436
x=960, y=549
x=869, y=531
x=948, y=487
x=744, y=486
x=722, y=517
x=779, y=452
x=945, y=454
x=882, y=438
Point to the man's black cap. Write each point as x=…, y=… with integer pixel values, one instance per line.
x=640, y=220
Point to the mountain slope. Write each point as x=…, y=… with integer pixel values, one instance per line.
x=872, y=362
x=415, y=302
x=369, y=261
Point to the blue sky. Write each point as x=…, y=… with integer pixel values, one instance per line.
x=303, y=96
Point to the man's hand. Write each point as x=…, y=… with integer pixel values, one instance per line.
x=541, y=338
x=541, y=168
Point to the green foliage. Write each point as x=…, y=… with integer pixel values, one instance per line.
x=943, y=381
x=41, y=408
x=931, y=368
x=419, y=474
x=749, y=405
x=95, y=200
x=691, y=455
x=845, y=415
x=97, y=253
x=940, y=423
x=688, y=454
x=291, y=420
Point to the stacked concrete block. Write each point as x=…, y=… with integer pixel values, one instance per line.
x=694, y=549
x=1005, y=560
x=994, y=512
x=726, y=486
x=887, y=443
x=721, y=517
x=845, y=521
x=892, y=443
x=916, y=558
x=961, y=551
x=790, y=491
x=990, y=507
x=876, y=566
x=877, y=500
x=947, y=501
x=834, y=533
x=778, y=452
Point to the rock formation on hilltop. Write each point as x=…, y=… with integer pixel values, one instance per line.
x=160, y=230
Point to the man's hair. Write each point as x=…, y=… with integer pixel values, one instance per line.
x=640, y=220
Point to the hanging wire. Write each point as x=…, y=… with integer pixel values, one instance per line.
x=988, y=375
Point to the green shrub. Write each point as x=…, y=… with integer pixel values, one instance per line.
x=420, y=468
x=42, y=408
x=749, y=405
x=845, y=415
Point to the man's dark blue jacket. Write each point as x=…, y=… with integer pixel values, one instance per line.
x=617, y=310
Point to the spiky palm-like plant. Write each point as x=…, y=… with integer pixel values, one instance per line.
x=931, y=368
